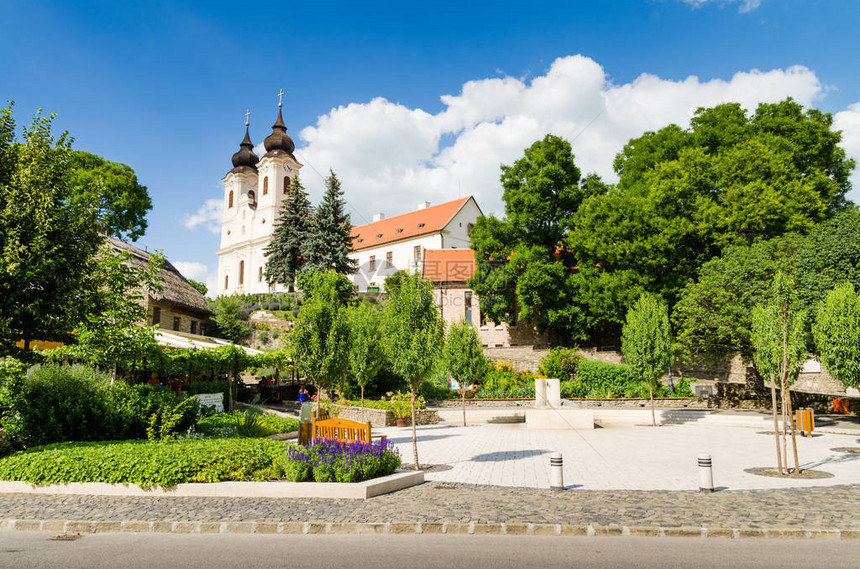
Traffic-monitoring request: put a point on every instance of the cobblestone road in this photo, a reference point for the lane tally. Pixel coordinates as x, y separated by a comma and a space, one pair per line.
836, 507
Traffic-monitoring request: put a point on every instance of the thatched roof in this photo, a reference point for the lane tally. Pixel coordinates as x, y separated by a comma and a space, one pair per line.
177, 289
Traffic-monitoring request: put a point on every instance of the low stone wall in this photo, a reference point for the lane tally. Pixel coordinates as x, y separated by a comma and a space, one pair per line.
384, 417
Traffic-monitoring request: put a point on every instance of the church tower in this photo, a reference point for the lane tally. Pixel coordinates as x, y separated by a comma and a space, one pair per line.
253, 193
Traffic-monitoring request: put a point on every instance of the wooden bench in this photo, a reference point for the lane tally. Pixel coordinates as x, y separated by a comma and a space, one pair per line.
343, 430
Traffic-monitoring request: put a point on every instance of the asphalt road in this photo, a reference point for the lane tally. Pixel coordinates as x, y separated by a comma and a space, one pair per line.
21, 550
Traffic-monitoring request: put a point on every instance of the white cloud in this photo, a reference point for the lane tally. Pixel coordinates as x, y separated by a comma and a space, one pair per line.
745, 5
390, 156
198, 272
848, 121
209, 214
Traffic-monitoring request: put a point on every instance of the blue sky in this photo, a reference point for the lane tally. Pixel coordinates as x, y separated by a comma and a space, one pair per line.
406, 101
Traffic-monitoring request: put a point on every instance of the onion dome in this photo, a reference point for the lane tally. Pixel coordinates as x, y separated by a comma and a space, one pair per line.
279, 140
246, 157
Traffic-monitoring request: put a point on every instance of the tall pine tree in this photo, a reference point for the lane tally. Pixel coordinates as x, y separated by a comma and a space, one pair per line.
285, 254
330, 242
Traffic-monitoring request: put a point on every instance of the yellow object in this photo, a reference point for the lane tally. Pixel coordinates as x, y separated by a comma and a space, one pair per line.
805, 421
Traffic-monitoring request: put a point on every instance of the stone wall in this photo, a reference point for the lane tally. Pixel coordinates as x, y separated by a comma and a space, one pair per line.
384, 417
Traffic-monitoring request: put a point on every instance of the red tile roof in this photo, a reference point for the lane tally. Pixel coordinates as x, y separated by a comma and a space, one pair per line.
448, 265
420, 222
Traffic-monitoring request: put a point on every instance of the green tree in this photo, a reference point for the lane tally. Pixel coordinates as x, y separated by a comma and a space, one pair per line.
829, 256
646, 342
779, 352
330, 241
521, 261
837, 333
201, 287
285, 253
313, 281
366, 356
464, 357
320, 340
111, 334
413, 335
121, 202
683, 196
48, 241
714, 314
230, 318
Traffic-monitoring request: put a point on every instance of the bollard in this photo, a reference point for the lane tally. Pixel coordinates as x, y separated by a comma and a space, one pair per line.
706, 475
556, 477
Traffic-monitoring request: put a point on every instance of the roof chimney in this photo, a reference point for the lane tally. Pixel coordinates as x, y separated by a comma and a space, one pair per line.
378, 216
423, 205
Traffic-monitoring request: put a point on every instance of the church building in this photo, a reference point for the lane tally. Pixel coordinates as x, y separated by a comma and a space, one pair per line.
253, 193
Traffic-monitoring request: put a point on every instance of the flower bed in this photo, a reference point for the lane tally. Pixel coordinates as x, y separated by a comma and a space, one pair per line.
333, 461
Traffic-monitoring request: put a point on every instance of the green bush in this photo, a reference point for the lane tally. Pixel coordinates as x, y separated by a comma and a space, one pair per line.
147, 463
560, 363
333, 461
195, 387
53, 404
436, 388
596, 379
244, 424
396, 402
502, 382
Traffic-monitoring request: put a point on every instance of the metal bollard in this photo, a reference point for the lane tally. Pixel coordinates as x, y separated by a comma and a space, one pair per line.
706, 475
556, 477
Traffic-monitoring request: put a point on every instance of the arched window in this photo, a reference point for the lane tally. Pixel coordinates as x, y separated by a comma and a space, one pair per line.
226, 282
260, 275
286, 183
231, 199
252, 197
241, 272
265, 185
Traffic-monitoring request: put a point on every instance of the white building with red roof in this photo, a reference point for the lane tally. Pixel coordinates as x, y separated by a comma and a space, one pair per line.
388, 245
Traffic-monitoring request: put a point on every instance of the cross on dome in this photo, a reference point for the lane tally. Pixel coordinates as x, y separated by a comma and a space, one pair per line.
280, 94
247, 114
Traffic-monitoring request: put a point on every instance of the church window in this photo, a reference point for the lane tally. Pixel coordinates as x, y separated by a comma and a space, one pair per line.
230, 201
156, 315
372, 264
260, 275
265, 185
286, 183
388, 261
252, 197
241, 272
226, 282
243, 230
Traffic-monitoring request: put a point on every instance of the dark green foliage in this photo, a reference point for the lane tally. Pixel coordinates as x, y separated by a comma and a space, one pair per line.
560, 363
285, 255
330, 284
166, 423
714, 314
829, 256
600, 379
330, 240
201, 287
244, 424
162, 463
837, 333
55, 404
121, 202
521, 261
230, 318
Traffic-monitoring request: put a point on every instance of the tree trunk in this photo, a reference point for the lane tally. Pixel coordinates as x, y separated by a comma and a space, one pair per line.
463, 400
414, 433
793, 434
113, 373
775, 422
651, 396
26, 344
784, 430
361, 388
230, 381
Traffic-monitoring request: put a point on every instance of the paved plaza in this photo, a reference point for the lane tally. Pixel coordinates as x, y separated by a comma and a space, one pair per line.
626, 453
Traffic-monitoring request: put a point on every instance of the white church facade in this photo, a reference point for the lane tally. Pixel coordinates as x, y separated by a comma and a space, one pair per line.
253, 193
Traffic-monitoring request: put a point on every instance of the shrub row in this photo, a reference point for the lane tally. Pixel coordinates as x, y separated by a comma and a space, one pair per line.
147, 463
244, 424
333, 461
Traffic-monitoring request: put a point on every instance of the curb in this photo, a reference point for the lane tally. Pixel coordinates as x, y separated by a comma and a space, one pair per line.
416, 528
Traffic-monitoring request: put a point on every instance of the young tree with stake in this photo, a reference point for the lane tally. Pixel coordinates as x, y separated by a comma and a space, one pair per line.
464, 357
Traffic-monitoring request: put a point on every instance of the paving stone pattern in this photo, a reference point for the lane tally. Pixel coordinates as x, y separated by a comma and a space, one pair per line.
835, 508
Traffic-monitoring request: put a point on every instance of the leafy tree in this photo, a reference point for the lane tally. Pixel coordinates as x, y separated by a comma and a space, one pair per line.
829, 256
230, 318
285, 253
320, 340
521, 261
683, 196
121, 202
110, 332
837, 334
714, 313
201, 287
395, 280
47, 240
413, 334
779, 352
329, 243
646, 342
327, 282
366, 356
464, 357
